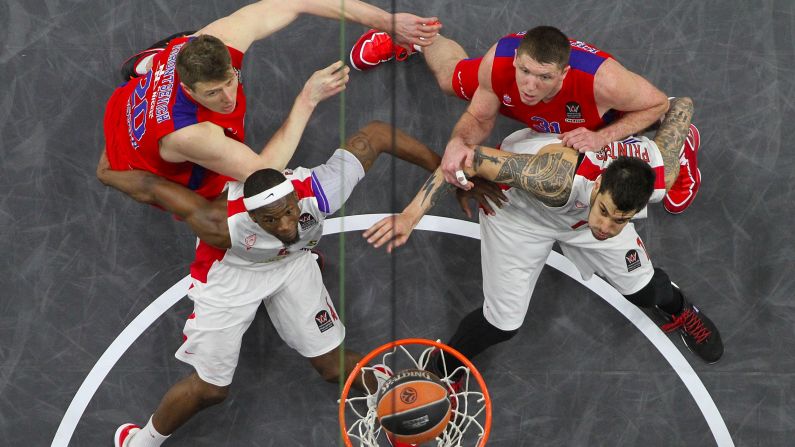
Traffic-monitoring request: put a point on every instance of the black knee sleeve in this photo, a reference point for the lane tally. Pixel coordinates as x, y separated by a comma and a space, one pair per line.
658, 292
473, 336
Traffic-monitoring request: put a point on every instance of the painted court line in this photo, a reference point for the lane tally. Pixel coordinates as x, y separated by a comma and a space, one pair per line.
429, 223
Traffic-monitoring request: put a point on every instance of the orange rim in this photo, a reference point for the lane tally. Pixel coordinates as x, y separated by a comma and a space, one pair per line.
414, 341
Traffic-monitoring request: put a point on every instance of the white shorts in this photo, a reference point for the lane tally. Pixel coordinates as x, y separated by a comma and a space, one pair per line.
297, 302
515, 249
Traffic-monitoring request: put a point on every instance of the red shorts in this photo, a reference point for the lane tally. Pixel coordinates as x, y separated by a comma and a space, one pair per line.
465, 78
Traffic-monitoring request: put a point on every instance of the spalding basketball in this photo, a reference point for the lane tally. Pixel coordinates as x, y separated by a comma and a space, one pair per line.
413, 406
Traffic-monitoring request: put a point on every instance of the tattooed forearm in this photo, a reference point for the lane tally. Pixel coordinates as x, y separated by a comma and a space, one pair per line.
481, 158
433, 189
548, 176
671, 135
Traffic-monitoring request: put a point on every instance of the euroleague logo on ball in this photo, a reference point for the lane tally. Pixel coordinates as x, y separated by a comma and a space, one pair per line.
408, 395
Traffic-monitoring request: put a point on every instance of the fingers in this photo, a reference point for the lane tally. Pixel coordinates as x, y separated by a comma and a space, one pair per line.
427, 30
381, 232
583, 140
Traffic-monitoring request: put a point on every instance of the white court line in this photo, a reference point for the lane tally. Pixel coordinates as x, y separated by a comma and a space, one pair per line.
429, 223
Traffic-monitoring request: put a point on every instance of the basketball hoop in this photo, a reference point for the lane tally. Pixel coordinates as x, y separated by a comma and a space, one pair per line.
471, 421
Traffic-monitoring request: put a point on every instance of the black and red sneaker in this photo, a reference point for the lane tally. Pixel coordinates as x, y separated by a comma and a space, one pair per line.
699, 333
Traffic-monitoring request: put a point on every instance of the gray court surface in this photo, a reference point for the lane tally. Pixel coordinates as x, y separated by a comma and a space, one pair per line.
80, 261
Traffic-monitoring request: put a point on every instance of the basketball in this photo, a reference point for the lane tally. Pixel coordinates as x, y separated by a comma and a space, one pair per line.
413, 406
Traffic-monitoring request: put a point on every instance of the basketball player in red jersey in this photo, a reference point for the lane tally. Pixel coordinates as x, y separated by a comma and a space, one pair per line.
184, 118
547, 81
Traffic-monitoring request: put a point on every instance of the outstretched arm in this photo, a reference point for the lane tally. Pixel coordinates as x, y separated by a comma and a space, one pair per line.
671, 136
474, 125
395, 230
261, 19
206, 144
206, 219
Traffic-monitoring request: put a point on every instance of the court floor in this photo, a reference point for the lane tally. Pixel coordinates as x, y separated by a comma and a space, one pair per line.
88, 272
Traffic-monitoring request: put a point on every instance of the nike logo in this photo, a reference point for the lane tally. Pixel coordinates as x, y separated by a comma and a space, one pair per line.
508, 105
269, 195
188, 352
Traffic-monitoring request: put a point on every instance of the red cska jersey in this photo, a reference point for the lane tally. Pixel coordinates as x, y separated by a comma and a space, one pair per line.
145, 109
574, 106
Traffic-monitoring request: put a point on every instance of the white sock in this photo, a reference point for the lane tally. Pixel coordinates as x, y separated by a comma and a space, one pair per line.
147, 437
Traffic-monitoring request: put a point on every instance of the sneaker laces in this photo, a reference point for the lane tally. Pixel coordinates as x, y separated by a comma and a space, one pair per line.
691, 323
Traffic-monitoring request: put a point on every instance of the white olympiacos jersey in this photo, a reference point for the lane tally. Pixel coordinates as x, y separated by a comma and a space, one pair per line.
574, 213
254, 248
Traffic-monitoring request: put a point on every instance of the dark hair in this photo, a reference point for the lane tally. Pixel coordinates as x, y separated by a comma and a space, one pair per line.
546, 45
262, 180
203, 59
630, 183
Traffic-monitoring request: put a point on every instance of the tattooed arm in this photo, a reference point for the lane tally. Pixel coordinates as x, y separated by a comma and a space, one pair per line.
671, 136
547, 175
395, 230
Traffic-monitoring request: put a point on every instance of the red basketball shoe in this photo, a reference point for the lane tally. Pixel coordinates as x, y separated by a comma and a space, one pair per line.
684, 189
374, 48
124, 434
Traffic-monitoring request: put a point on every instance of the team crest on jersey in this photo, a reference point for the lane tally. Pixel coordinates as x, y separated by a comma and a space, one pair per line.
633, 260
506, 100
249, 241
578, 204
324, 321
306, 221
573, 113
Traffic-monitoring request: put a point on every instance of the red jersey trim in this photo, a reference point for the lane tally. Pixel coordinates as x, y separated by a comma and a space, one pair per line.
303, 188
235, 206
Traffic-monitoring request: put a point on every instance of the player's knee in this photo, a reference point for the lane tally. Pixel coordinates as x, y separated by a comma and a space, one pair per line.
656, 292
207, 393
491, 333
327, 365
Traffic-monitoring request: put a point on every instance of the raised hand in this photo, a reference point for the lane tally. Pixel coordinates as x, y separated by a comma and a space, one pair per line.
392, 230
325, 83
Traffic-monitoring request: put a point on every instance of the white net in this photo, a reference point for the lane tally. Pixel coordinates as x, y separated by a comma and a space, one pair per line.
466, 427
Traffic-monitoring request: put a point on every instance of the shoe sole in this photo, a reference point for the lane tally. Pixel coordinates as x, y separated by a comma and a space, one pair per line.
118, 433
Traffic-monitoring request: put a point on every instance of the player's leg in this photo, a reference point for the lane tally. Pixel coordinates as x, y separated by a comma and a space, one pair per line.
212, 339
509, 277
625, 264
180, 403
378, 137
442, 58
328, 366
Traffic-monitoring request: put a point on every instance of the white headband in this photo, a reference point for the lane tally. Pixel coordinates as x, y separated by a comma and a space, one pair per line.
268, 196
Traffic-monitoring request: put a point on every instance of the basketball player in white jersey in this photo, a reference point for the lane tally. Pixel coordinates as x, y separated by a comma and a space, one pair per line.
254, 248
583, 201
